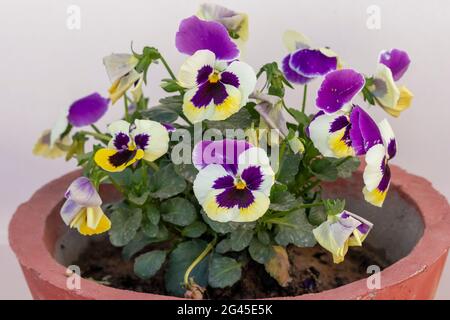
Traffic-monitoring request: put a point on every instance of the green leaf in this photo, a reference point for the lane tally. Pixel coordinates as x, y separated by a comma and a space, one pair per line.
259, 251
228, 227
178, 211
239, 120
187, 171
166, 183
124, 224
281, 199
294, 228
160, 114
151, 230
300, 117
194, 230
347, 167
223, 271
334, 206
147, 264
140, 241
324, 169
240, 239
152, 214
170, 85
289, 166
263, 237
179, 261
317, 215
138, 200
223, 246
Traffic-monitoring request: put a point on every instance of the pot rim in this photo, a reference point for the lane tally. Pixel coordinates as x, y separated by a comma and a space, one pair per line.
33, 253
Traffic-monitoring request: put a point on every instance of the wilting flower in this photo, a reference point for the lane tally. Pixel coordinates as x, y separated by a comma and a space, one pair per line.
87, 110
341, 231
393, 99
195, 34
338, 89
234, 180
236, 23
304, 63
122, 74
377, 174
145, 139
82, 208
216, 90
344, 134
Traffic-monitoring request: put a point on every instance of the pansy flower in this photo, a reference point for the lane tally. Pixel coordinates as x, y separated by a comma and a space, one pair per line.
216, 90
304, 62
236, 23
377, 174
144, 139
122, 74
87, 110
195, 34
392, 98
341, 231
344, 134
338, 89
82, 208
234, 180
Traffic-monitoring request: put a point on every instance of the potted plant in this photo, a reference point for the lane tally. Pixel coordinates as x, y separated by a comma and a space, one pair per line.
212, 193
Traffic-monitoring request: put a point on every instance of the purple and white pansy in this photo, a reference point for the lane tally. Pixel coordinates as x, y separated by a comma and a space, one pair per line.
341, 231
377, 174
304, 63
392, 65
216, 89
234, 180
82, 209
144, 139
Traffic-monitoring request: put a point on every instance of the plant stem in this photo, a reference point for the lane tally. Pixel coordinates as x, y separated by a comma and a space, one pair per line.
305, 91
125, 104
93, 126
202, 255
99, 136
169, 70
152, 165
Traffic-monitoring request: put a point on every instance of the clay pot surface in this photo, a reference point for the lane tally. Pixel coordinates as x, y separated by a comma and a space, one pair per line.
413, 227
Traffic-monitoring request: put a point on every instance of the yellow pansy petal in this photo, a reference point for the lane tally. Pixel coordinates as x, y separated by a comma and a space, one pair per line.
229, 106
256, 210
104, 159
193, 113
338, 145
120, 86
375, 197
103, 225
217, 213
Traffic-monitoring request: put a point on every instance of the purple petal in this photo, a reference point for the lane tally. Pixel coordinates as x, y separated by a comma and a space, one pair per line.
69, 211
364, 132
386, 179
87, 110
121, 141
232, 197
195, 34
338, 88
223, 152
224, 182
292, 75
253, 177
142, 140
209, 91
396, 60
169, 127
83, 192
312, 63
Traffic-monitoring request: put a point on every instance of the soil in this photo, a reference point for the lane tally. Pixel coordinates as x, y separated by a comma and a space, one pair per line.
312, 270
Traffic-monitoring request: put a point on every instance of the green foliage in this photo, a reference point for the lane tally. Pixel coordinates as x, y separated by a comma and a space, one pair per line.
125, 221
317, 215
223, 271
187, 171
239, 120
178, 211
275, 80
259, 251
166, 183
240, 239
140, 241
293, 228
281, 199
289, 167
147, 264
194, 230
324, 169
334, 207
179, 261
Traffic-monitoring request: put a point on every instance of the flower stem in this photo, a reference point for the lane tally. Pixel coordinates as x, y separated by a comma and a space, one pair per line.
169, 70
99, 136
93, 126
305, 91
202, 255
152, 165
125, 104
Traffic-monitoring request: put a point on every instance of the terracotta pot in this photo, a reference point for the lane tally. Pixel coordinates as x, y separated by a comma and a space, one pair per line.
413, 228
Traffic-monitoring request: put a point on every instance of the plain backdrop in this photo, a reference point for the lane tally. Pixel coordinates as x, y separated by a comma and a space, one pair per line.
44, 66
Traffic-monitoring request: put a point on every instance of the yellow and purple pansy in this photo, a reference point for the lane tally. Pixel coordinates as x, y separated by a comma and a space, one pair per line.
391, 67
341, 231
121, 71
305, 63
216, 89
82, 209
234, 180
377, 174
144, 139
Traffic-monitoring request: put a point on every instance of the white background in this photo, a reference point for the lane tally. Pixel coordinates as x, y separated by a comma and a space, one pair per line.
44, 66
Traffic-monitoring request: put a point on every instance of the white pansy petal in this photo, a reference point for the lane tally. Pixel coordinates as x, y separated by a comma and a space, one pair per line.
217, 213
119, 129
205, 179
319, 132
60, 126
294, 40
69, 211
93, 217
246, 76
386, 90
83, 192
187, 76
373, 171
152, 137
255, 156
388, 138
256, 210
193, 113
118, 65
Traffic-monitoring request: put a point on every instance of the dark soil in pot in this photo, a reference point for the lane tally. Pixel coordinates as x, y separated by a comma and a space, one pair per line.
312, 271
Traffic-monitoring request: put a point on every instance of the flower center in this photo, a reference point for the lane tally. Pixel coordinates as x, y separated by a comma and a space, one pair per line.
214, 77
240, 184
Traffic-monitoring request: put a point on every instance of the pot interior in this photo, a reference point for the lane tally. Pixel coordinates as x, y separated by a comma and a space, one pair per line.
398, 226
